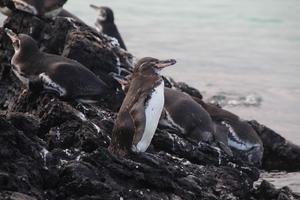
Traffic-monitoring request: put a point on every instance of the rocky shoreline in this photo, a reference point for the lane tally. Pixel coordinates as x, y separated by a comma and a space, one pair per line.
52, 149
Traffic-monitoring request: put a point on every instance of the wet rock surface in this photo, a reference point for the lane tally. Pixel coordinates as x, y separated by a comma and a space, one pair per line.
279, 153
268, 191
50, 149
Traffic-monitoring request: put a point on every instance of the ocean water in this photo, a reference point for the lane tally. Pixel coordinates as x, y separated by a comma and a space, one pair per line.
243, 54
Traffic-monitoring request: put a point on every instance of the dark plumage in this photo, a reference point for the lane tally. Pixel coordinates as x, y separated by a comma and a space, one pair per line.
235, 132
131, 123
65, 77
183, 112
35, 7
189, 115
105, 24
200, 121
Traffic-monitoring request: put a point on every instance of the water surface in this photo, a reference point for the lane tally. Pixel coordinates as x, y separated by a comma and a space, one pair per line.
239, 49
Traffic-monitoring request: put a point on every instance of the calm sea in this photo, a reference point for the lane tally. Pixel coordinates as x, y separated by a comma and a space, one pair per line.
246, 52
243, 54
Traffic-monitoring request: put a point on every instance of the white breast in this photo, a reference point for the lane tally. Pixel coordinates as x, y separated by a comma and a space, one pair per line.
152, 112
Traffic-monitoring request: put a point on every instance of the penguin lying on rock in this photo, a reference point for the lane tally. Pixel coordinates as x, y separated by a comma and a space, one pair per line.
45, 8
236, 133
65, 77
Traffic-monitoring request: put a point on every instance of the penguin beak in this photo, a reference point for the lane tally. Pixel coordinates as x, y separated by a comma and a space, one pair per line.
95, 7
13, 36
100, 11
165, 63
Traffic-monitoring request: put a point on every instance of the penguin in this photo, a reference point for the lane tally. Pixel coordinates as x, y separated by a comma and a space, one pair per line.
232, 134
183, 112
188, 115
105, 24
141, 109
56, 74
236, 133
46, 8
34, 7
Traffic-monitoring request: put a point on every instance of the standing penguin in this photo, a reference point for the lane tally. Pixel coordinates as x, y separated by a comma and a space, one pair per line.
105, 24
182, 111
65, 77
141, 109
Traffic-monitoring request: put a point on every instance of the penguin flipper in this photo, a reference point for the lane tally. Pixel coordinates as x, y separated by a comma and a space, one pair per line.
138, 117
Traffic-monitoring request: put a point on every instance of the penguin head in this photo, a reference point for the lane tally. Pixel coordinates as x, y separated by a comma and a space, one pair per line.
150, 65
22, 42
105, 14
29, 6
